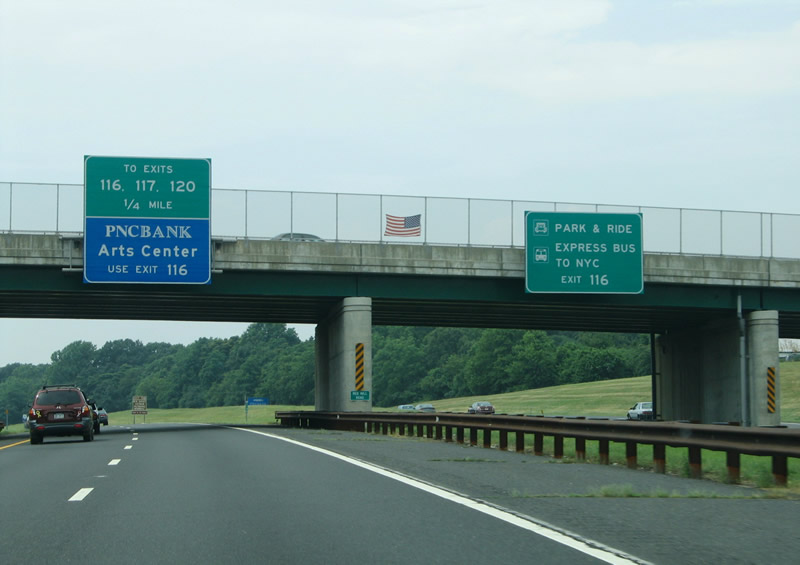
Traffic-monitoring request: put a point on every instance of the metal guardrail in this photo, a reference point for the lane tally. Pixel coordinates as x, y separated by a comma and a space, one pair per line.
778, 443
474, 222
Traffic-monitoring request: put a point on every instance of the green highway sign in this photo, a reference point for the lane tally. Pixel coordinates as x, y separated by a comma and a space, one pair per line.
580, 252
136, 187
359, 395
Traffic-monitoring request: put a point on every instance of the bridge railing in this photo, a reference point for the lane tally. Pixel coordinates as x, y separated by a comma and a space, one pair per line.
777, 443
257, 214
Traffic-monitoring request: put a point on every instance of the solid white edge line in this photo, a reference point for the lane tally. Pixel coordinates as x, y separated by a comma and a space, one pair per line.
574, 541
80, 495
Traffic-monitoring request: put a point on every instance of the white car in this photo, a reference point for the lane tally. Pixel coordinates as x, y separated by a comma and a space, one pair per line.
641, 411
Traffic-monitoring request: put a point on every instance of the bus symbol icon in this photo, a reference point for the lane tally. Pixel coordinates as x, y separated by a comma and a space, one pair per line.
540, 255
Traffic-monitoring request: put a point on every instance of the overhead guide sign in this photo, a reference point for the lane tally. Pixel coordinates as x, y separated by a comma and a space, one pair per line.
147, 220
574, 252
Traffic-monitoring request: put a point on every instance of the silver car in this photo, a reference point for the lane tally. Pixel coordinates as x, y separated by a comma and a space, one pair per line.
641, 411
294, 236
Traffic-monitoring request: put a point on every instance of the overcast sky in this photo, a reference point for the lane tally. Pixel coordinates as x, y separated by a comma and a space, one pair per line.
677, 103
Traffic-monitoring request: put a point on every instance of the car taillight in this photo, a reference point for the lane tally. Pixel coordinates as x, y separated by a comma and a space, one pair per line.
84, 410
31, 414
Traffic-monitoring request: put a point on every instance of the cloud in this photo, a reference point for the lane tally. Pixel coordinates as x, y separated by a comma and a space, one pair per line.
534, 49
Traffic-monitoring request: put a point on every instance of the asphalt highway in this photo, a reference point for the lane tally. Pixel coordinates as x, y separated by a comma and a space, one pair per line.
156, 493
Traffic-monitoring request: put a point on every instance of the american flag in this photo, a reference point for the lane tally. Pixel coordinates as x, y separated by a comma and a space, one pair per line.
403, 226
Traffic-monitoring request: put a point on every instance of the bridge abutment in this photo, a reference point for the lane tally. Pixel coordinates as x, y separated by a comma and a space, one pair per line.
344, 358
701, 373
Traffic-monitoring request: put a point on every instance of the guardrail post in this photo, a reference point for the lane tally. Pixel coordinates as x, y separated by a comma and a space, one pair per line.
385, 428
580, 449
402, 429
419, 430
603, 451
448, 434
780, 470
538, 444
503, 440
630, 454
460, 434
659, 458
520, 442
695, 462
487, 437
429, 431
558, 446
438, 431
734, 466
473, 436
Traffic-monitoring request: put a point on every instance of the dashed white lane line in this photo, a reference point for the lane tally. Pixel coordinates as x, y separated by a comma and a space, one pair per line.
128, 447
80, 495
595, 549
114, 461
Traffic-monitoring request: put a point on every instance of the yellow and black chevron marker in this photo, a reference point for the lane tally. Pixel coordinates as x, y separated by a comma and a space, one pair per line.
771, 390
359, 366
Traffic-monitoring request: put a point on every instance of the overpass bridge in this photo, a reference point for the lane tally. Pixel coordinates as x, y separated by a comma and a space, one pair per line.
715, 318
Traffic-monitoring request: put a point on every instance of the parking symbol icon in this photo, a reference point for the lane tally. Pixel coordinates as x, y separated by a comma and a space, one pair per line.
541, 227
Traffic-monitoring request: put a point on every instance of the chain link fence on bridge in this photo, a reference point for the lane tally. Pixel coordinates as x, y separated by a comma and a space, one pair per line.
342, 217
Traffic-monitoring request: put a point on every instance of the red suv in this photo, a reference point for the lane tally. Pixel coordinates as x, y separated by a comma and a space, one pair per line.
60, 410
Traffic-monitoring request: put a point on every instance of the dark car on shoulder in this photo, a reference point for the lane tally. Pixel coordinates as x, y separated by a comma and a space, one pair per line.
61, 410
481, 407
97, 416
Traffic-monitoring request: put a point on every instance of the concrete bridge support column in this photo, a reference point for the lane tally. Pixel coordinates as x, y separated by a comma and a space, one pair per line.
701, 372
344, 358
762, 359
322, 394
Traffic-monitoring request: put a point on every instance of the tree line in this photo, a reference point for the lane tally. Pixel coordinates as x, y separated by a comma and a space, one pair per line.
410, 364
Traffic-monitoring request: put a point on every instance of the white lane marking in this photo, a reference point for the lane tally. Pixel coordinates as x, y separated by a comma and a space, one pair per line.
80, 495
134, 439
114, 461
128, 447
584, 545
